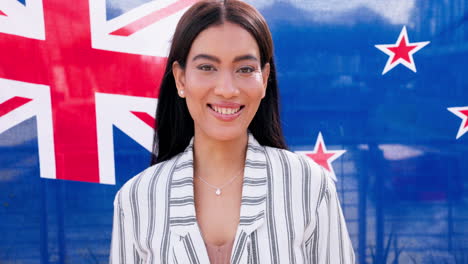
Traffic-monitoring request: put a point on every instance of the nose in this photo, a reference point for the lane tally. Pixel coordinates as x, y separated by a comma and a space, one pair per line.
225, 86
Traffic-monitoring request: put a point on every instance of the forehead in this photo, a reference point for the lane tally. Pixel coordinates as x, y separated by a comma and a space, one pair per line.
224, 41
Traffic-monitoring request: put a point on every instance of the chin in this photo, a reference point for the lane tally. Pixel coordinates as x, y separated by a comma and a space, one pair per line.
226, 134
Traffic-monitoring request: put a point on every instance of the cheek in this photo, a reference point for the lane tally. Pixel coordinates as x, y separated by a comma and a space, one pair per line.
193, 87
253, 86
197, 85
196, 90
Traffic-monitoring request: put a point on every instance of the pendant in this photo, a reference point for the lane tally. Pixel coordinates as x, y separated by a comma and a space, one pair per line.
218, 192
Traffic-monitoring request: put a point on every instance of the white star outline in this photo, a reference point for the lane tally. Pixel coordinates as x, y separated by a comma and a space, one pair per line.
336, 154
410, 65
457, 111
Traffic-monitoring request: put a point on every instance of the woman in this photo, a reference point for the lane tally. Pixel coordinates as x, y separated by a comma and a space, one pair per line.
223, 188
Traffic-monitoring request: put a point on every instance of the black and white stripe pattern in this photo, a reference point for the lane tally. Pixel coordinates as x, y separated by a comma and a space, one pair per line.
290, 213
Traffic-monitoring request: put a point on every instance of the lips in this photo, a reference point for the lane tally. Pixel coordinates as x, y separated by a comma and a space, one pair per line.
226, 111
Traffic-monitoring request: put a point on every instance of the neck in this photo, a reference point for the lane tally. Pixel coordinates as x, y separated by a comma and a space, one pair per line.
218, 161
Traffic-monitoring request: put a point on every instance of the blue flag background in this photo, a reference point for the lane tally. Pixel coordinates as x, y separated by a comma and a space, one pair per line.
402, 180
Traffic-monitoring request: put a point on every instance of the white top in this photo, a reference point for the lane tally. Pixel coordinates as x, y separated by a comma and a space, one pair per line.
290, 213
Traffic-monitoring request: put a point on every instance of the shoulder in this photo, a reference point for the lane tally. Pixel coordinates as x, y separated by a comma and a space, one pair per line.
302, 170
298, 163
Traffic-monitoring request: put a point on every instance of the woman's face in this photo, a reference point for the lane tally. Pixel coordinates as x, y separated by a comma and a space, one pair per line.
223, 82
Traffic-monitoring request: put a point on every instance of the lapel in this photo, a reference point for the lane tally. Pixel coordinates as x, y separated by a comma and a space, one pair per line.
253, 205
182, 218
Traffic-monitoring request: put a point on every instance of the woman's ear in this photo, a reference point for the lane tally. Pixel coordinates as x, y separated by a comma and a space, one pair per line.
265, 76
179, 77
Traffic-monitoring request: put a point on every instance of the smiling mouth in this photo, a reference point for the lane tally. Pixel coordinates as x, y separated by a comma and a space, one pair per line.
225, 110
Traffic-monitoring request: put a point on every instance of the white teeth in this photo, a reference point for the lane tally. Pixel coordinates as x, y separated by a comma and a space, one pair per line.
225, 111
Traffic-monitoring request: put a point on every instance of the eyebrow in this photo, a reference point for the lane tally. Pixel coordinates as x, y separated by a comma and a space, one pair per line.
245, 57
207, 57
217, 60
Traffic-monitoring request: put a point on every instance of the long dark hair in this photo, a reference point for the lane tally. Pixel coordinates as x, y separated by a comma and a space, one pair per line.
175, 126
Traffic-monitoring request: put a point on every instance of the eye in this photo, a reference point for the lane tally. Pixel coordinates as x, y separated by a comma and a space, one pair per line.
206, 67
246, 69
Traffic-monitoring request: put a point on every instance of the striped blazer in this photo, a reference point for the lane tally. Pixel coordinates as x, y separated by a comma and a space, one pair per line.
289, 213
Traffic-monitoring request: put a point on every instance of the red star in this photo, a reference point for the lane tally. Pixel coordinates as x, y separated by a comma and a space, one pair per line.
461, 112
465, 113
322, 156
401, 52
